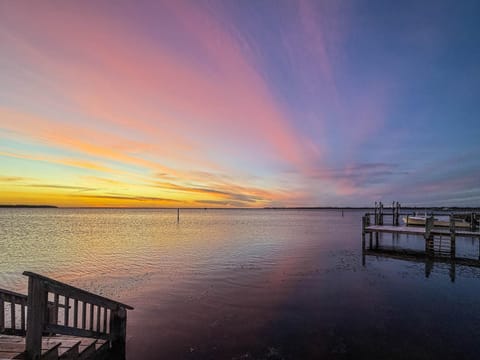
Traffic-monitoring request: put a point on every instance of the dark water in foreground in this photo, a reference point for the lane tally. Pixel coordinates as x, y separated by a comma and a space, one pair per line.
251, 284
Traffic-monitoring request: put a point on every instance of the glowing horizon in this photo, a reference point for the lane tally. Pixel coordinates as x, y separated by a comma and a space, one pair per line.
238, 104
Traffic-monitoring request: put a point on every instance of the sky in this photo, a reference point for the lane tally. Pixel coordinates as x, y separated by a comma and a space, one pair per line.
239, 103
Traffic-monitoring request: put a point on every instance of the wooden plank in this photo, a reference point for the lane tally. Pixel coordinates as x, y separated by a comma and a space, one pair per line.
88, 352
51, 354
67, 311
12, 347
69, 350
102, 348
11, 294
84, 315
2, 315
22, 316
91, 317
54, 319
418, 230
98, 318
76, 293
60, 329
105, 310
12, 315
75, 313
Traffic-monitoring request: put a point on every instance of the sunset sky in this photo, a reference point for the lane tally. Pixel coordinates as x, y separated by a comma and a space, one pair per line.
239, 103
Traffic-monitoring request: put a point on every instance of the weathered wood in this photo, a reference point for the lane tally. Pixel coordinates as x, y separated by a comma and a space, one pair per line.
2, 315
98, 318
411, 230
66, 330
381, 214
75, 313
22, 316
102, 349
8, 295
12, 315
40, 322
91, 317
88, 352
118, 332
428, 227
67, 311
84, 315
37, 307
51, 354
68, 351
453, 248
364, 224
76, 293
105, 311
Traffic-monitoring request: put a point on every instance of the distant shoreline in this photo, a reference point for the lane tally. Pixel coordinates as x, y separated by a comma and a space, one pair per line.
29, 206
417, 208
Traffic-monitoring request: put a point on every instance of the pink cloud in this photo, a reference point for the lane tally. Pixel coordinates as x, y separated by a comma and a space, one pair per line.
112, 74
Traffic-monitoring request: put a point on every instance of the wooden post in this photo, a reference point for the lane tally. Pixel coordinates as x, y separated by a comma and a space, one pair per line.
428, 236
452, 237
397, 218
178, 215
36, 316
393, 213
376, 219
2, 316
364, 221
118, 329
381, 214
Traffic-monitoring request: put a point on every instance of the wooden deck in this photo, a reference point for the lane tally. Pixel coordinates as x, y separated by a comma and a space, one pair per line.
55, 347
81, 325
415, 230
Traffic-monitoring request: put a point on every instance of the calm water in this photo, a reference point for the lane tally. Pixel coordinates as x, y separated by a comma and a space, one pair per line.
251, 284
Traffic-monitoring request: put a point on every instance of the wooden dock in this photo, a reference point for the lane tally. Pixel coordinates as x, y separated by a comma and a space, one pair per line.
59, 321
440, 242
428, 233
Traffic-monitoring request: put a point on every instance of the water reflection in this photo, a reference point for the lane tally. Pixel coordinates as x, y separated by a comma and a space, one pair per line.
398, 247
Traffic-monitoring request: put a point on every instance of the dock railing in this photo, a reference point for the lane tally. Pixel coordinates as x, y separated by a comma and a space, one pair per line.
14, 304
57, 308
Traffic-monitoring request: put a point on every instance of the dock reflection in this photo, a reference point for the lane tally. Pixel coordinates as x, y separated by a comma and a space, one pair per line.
396, 250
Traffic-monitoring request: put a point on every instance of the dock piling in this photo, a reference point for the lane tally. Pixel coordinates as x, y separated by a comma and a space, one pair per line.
452, 237
429, 246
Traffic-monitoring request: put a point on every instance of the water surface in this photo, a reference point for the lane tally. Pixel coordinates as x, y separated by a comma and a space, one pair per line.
251, 284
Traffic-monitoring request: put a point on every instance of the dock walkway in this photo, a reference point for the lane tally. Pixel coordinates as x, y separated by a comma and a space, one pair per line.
55, 347
59, 321
414, 230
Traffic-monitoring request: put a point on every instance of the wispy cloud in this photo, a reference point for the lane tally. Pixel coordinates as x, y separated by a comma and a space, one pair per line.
128, 197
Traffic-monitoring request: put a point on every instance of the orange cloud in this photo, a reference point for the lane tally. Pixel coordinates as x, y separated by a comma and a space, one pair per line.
112, 77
